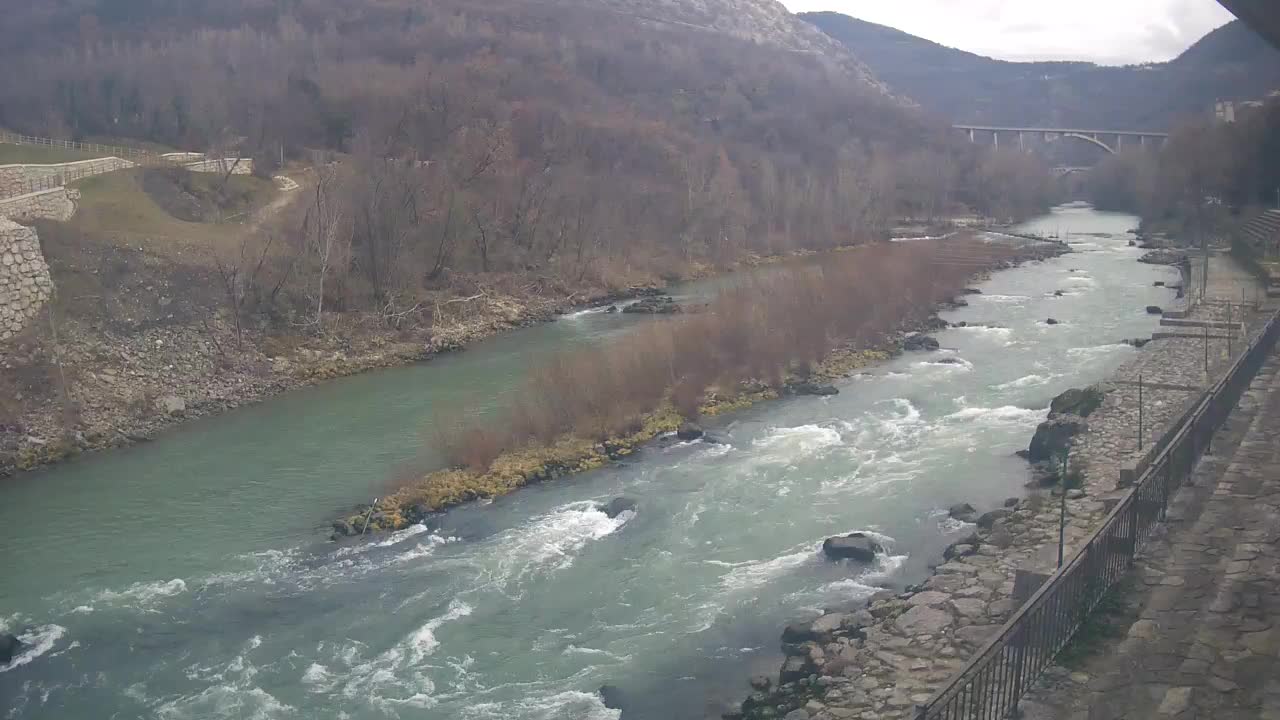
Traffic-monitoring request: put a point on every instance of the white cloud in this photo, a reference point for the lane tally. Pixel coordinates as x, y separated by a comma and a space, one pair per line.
1104, 31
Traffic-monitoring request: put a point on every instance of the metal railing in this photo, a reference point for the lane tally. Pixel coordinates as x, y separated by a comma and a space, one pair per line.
994, 680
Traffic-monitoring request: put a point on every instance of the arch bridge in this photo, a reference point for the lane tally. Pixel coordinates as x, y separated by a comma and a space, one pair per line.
1094, 137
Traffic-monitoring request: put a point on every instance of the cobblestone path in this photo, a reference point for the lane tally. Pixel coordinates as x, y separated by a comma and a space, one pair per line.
1206, 639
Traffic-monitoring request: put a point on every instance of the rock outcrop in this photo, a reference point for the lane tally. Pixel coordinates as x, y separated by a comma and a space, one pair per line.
10, 646
1054, 437
855, 546
654, 305
920, 343
1077, 401
617, 506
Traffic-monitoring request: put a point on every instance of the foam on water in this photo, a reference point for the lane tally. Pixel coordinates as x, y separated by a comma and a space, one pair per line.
395, 678
1004, 299
142, 595
1003, 416
553, 541
1000, 332
567, 705
401, 535
1025, 381
422, 642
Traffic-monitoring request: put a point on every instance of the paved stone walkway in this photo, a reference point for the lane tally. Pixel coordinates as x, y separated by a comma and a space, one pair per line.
1206, 641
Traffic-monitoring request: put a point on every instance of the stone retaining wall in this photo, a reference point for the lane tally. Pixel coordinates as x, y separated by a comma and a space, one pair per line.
55, 204
20, 179
243, 166
25, 285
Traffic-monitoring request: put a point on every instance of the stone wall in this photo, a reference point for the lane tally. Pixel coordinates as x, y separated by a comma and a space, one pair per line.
25, 285
55, 204
243, 166
22, 179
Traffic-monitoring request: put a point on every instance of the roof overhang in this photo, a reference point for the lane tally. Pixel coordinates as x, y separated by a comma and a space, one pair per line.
1263, 16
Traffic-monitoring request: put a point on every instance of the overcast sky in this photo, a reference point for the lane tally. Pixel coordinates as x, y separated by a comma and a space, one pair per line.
1113, 32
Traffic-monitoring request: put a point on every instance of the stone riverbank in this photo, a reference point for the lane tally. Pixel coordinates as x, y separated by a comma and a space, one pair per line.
881, 661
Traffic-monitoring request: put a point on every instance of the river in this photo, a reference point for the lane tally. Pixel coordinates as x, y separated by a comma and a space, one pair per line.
191, 577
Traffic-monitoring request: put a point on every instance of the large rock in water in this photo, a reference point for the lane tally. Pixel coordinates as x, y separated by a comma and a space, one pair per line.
964, 512
617, 506
689, 431
611, 696
1054, 437
856, 546
654, 305
10, 646
1077, 402
920, 343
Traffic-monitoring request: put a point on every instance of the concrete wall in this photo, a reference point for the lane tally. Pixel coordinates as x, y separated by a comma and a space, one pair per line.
25, 285
244, 166
21, 179
56, 204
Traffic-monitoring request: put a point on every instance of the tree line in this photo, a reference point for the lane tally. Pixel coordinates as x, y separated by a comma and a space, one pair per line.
1205, 173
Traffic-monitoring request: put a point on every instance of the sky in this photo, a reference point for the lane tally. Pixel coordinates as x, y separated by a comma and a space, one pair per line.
1111, 32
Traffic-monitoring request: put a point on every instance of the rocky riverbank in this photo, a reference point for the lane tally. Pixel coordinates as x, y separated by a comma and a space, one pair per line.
882, 660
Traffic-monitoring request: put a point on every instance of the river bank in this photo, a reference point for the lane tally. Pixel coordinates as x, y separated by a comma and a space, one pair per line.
572, 453
884, 659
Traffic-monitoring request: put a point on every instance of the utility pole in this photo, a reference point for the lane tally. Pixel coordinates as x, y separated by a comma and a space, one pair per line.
1062, 510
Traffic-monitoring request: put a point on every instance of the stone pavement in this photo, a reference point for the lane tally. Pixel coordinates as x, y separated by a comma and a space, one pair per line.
1206, 641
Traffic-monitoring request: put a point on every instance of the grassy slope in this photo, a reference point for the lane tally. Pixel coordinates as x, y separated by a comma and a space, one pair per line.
115, 206
34, 154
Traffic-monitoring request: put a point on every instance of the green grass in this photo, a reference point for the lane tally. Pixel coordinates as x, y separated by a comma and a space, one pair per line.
40, 155
116, 204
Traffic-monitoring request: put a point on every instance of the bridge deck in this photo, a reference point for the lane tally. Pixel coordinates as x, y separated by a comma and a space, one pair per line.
1126, 133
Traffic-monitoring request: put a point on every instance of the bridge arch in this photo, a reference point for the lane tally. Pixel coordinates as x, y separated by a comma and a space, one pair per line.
1090, 139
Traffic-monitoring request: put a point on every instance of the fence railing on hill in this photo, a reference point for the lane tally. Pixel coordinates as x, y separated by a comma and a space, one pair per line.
138, 155
994, 680
70, 174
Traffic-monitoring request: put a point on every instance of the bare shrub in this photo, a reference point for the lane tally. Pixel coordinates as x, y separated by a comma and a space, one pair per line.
765, 328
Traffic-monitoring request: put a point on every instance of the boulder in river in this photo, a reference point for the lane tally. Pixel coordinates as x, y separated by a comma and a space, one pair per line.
1154, 310
689, 431
611, 696
10, 646
813, 388
1051, 321
1054, 437
654, 305
611, 309
617, 506
920, 343
964, 512
857, 546
971, 291
1077, 401
990, 517
1058, 293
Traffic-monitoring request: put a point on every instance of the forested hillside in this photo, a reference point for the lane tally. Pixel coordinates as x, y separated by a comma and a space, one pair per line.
566, 137
1230, 63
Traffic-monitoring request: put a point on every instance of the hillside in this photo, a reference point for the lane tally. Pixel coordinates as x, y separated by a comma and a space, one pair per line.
1230, 63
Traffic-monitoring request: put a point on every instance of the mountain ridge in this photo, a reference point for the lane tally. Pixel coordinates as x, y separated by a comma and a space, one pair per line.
1228, 63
